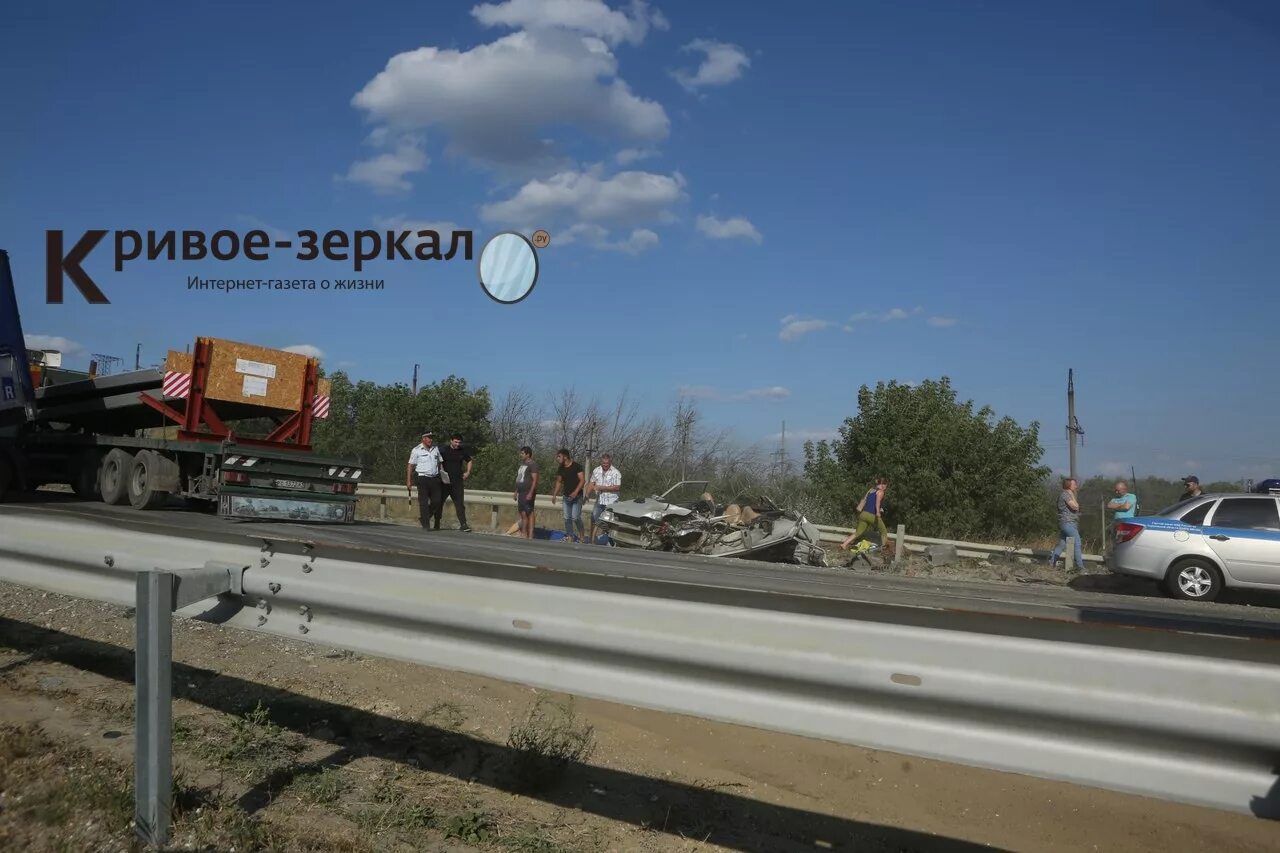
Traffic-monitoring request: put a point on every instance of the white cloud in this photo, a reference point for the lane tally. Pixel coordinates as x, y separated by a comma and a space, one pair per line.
728, 229
888, 316
1112, 469
795, 327
941, 322
627, 198
627, 156
590, 17
385, 173
309, 350
413, 226
721, 64
54, 342
496, 102
256, 223
597, 237
706, 392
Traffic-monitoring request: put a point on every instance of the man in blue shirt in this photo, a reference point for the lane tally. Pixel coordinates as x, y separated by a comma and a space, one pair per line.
1124, 503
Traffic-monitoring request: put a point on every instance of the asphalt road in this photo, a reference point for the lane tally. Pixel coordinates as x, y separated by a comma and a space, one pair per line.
767, 585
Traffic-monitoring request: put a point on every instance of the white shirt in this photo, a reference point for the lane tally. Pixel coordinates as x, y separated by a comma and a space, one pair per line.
425, 462
601, 477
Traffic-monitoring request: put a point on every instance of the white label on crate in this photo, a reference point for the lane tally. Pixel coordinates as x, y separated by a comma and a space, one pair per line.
255, 368
255, 386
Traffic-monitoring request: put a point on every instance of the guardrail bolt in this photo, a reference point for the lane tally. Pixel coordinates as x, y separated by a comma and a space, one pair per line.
305, 612
302, 629
264, 562
306, 568
262, 620
109, 560
274, 587
263, 604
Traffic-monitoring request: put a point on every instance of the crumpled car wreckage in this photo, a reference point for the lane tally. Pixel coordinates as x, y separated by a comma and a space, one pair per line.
686, 519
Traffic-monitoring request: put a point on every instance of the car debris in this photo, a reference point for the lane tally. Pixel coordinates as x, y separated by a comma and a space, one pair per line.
686, 519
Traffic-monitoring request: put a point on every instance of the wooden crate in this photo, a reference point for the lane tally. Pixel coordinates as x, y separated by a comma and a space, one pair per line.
245, 373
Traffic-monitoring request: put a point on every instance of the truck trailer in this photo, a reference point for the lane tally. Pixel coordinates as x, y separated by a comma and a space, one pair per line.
146, 436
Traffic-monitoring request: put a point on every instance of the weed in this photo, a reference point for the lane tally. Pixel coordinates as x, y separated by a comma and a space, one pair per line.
472, 827
254, 740
324, 787
18, 742
448, 715
392, 809
531, 841
546, 741
183, 730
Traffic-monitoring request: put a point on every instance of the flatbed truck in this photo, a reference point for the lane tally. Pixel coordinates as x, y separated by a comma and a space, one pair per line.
148, 436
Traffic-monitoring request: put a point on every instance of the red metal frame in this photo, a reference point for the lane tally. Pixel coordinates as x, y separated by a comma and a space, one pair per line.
199, 411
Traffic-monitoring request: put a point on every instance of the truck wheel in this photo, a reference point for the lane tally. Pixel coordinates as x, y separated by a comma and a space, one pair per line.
113, 479
84, 480
142, 495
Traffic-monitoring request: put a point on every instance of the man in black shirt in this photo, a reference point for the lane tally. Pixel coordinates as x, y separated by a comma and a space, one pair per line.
571, 479
454, 457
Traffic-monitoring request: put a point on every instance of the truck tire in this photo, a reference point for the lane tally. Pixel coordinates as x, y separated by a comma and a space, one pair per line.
142, 476
113, 478
84, 479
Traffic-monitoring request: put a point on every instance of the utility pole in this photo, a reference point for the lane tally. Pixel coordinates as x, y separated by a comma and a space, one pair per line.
1073, 425
137, 358
415, 380
780, 456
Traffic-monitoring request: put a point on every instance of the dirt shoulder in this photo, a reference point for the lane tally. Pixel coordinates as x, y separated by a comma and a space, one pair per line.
282, 745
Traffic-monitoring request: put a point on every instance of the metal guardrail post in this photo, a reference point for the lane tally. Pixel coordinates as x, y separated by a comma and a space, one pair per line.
899, 542
159, 594
153, 769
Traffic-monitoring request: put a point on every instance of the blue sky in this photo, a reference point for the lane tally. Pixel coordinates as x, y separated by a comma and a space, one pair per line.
763, 206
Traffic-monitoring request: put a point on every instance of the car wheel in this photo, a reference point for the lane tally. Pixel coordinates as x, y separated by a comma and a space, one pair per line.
1194, 579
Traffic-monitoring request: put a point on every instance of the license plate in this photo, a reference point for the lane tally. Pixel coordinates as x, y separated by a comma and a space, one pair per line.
290, 484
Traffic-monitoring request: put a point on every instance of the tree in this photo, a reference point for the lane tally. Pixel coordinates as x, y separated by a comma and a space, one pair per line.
953, 472
379, 424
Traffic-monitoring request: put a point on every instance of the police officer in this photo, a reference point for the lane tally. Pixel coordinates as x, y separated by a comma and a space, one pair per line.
424, 465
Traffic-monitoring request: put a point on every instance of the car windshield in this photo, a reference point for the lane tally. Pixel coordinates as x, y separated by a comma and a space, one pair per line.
686, 492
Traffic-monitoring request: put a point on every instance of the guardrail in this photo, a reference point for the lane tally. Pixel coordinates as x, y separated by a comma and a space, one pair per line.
1190, 718
830, 534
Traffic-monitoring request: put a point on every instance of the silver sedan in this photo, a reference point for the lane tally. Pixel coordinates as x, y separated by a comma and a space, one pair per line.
1202, 545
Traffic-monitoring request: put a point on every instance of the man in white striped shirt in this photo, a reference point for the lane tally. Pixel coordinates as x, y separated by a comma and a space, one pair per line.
606, 483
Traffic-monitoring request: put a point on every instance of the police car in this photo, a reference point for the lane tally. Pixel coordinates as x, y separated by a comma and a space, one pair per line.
1202, 545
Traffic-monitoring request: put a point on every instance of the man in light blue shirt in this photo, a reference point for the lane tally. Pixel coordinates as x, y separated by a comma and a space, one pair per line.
1124, 503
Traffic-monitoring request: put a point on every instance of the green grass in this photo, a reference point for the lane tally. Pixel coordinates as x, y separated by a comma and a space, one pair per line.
546, 742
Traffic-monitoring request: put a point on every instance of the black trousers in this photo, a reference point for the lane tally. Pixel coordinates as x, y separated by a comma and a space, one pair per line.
453, 491
430, 500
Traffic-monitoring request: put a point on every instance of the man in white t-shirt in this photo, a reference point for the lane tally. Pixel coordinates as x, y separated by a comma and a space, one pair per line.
424, 467
606, 483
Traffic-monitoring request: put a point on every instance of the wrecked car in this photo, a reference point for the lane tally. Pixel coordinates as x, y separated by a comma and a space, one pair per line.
686, 519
